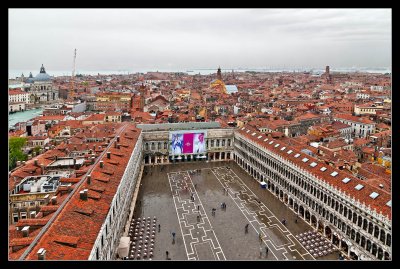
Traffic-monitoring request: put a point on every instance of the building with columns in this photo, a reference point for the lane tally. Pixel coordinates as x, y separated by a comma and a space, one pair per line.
354, 216
42, 89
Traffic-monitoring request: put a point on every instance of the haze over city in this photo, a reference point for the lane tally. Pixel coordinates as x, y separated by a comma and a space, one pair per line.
139, 39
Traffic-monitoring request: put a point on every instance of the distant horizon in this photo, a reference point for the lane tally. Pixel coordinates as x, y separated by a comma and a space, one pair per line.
13, 73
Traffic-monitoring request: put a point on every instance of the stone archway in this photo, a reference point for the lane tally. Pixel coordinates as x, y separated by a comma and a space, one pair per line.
307, 216
301, 211
313, 221
285, 198
335, 239
328, 232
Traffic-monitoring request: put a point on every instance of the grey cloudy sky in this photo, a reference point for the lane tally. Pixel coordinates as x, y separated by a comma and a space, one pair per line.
139, 39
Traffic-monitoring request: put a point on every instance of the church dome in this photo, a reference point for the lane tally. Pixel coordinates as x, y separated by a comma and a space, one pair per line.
42, 76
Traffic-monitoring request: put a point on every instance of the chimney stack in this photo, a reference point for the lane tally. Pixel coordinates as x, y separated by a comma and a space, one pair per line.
115, 144
25, 231
90, 151
118, 137
93, 158
89, 178
42, 169
108, 155
54, 200
74, 161
83, 195
101, 164
94, 147
18, 163
35, 162
46, 199
41, 254
33, 215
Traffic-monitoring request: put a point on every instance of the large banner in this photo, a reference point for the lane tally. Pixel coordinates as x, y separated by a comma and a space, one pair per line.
187, 142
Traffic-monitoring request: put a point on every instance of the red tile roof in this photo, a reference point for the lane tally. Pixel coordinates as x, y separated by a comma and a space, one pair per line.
378, 204
83, 219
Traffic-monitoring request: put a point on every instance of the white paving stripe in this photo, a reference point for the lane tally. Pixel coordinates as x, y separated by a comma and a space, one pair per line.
207, 235
243, 208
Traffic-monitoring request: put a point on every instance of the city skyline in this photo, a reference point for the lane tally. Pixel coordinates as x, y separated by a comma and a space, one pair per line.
132, 39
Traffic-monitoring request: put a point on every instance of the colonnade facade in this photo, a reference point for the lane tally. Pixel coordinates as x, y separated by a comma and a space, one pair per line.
358, 232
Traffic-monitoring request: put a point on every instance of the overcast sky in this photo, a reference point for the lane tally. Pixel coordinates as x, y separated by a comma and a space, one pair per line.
140, 39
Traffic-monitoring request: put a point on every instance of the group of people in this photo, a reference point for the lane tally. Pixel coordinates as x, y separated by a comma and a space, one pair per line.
223, 206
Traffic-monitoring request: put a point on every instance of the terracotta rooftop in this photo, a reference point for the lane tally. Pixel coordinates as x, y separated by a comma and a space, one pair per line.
378, 204
79, 222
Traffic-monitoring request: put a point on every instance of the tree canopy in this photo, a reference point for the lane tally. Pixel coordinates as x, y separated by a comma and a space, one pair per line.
15, 145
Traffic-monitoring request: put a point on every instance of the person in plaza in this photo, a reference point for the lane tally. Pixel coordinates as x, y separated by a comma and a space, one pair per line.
173, 235
261, 252
246, 228
260, 237
266, 250
159, 227
166, 254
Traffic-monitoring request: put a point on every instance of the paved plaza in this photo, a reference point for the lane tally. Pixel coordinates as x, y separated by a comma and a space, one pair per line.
186, 198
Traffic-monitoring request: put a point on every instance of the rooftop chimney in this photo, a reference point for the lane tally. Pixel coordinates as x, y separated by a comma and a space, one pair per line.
75, 148
41, 254
118, 137
42, 169
35, 162
54, 200
32, 215
115, 144
101, 164
25, 231
46, 199
83, 195
381, 186
108, 155
89, 178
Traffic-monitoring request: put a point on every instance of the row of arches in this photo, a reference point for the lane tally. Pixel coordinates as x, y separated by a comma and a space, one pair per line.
279, 179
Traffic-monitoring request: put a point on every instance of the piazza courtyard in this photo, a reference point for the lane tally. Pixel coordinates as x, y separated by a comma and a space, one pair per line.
207, 205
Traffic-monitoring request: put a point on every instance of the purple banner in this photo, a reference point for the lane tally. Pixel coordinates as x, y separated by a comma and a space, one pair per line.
188, 143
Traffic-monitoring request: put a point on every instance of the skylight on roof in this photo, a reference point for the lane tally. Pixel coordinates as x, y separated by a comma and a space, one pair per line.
253, 134
389, 204
359, 187
283, 148
266, 139
243, 128
313, 164
259, 136
248, 131
374, 195
271, 142
290, 151
297, 155
277, 145
346, 179
323, 169
305, 160
334, 174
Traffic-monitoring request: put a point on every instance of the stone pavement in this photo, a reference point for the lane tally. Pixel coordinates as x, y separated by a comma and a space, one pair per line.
166, 191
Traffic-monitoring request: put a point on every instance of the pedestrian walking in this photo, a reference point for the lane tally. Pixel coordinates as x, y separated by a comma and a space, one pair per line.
260, 237
173, 235
159, 227
198, 208
166, 254
246, 228
198, 218
266, 250
261, 252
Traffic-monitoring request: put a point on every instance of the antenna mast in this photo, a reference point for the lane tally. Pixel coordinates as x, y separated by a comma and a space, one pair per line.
72, 92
